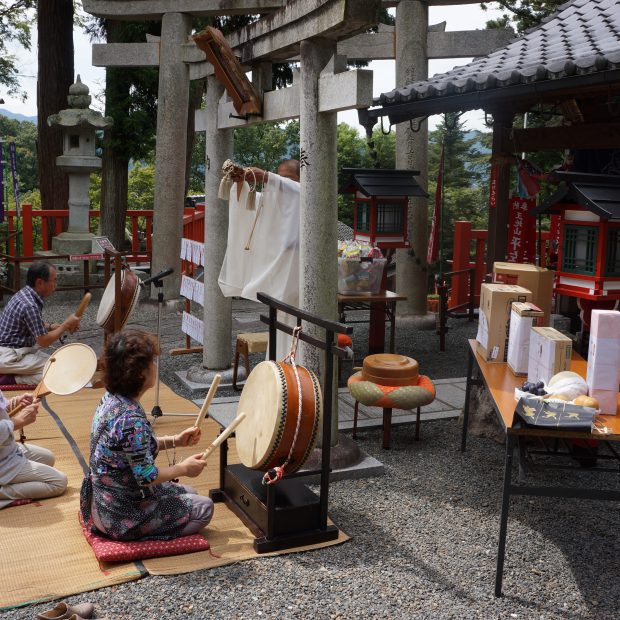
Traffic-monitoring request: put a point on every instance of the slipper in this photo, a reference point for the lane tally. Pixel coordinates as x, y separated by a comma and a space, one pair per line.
62, 611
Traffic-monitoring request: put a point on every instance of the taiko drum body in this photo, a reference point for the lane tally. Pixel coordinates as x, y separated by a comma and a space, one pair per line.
270, 399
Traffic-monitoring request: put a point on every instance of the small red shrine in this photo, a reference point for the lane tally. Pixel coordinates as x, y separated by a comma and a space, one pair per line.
589, 249
381, 197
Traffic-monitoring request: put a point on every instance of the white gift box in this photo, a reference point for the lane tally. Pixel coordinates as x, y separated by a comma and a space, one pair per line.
523, 316
603, 375
550, 353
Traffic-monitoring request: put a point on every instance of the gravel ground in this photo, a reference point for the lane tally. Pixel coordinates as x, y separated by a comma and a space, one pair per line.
424, 536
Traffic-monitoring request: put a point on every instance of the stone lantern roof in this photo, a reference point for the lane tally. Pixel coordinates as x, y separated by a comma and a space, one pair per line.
79, 114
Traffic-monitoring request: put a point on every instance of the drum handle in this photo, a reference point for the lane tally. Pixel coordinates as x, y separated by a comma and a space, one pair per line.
224, 435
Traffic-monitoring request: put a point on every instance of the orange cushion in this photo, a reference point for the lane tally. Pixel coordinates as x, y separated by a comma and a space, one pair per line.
394, 397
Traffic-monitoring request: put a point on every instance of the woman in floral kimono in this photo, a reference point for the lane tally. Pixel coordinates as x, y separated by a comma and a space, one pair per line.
125, 495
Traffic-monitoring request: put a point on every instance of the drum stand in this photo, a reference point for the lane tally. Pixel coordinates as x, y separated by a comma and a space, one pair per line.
287, 514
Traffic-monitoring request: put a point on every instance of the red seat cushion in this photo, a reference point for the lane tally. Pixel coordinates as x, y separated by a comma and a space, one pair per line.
107, 550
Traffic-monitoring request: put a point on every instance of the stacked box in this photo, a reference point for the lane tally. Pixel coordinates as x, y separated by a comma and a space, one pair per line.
550, 353
538, 280
523, 317
603, 374
494, 318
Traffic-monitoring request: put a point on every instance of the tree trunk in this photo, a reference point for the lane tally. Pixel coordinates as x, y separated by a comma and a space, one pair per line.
55, 75
114, 170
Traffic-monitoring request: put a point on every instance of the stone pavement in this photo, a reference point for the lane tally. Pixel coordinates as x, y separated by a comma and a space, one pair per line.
447, 404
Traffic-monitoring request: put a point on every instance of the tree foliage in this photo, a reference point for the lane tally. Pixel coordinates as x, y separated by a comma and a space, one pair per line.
524, 14
15, 21
24, 134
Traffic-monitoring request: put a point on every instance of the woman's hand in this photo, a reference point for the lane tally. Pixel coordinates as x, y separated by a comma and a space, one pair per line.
26, 416
193, 465
189, 437
25, 399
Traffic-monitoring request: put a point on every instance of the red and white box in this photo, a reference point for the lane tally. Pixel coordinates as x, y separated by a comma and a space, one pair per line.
603, 376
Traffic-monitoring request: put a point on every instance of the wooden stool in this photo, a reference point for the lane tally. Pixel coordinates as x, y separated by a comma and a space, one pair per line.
255, 342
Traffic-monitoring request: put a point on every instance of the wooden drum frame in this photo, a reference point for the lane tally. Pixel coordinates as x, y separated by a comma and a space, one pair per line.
270, 400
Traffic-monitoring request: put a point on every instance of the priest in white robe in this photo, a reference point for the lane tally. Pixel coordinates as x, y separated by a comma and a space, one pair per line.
262, 254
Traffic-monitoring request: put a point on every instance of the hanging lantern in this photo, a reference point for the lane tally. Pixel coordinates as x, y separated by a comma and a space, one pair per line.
380, 204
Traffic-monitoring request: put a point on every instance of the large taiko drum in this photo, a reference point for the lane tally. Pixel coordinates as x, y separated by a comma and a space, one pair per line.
130, 291
270, 400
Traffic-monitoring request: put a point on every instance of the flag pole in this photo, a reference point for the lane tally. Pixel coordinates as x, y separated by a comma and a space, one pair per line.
441, 165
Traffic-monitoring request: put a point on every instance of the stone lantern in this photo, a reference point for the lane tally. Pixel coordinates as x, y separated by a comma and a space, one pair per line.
79, 124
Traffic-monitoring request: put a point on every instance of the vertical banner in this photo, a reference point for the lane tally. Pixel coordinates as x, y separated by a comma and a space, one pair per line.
1, 182
493, 187
14, 174
434, 241
521, 230
553, 247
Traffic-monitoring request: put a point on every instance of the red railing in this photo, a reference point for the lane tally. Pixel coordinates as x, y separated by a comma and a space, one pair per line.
55, 221
470, 251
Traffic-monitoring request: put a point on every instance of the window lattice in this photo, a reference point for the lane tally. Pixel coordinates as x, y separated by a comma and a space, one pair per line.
579, 252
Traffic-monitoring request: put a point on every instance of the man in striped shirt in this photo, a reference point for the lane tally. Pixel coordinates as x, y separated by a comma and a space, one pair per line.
23, 334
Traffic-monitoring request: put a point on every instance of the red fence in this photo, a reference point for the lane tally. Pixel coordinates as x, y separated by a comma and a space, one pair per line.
54, 221
470, 251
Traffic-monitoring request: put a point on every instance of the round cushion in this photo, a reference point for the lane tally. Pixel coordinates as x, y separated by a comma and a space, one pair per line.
395, 397
390, 369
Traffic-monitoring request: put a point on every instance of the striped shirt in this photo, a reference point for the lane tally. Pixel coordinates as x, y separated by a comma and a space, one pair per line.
21, 322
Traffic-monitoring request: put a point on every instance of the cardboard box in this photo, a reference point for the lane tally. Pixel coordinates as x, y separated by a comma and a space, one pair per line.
494, 319
535, 279
523, 317
603, 375
550, 353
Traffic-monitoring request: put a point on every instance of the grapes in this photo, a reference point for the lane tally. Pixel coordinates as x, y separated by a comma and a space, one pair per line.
536, 389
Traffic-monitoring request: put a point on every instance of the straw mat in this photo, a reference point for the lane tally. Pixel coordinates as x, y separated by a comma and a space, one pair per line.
45, 554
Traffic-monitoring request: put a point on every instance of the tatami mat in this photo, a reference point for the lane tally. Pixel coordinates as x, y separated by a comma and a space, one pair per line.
45, 555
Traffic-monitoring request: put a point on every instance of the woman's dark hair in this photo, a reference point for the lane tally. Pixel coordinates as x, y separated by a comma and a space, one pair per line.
128, 355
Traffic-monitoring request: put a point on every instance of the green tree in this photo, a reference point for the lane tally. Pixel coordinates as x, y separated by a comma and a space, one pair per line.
523, 14
15, 21
24, 134
266, 145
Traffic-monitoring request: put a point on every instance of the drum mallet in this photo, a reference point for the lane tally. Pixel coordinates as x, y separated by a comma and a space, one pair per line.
224, 435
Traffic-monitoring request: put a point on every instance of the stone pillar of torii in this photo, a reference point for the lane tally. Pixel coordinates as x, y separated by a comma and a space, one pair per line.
317, 34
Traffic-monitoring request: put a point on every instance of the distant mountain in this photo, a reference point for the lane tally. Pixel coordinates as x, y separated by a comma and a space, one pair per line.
17, 117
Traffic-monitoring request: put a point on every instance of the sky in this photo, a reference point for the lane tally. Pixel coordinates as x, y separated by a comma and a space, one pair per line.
457, 17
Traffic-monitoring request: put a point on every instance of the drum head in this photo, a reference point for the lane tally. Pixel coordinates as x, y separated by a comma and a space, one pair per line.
73, 368
130, 291
261, 400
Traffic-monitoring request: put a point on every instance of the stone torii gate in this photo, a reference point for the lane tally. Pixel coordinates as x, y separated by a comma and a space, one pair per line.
312, 31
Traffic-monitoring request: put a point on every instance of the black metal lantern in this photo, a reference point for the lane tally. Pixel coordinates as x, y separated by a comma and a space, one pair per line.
380, 204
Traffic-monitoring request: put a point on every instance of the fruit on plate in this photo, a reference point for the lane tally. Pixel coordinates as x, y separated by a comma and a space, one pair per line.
557, 397
586, 401
536, 388
568, 383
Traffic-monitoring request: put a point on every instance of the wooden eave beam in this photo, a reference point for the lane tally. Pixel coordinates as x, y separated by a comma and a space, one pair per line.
582, 136
154, 9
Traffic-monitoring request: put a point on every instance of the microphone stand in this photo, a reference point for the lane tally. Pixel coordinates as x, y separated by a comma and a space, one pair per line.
157, 282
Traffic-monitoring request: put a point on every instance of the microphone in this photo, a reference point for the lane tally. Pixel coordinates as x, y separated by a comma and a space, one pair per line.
159, 276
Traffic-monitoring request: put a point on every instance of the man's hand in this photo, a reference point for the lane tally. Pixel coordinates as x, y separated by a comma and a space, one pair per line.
72, 323
26, 416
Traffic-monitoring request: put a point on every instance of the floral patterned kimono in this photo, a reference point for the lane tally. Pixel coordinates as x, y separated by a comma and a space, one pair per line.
122, 464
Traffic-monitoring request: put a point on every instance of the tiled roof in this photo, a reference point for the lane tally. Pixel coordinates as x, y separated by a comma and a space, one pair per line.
599, 193
376, 182
582, 37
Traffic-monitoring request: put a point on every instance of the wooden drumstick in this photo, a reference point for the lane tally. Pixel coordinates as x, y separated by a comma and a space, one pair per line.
83, 305
224, 435
204, 412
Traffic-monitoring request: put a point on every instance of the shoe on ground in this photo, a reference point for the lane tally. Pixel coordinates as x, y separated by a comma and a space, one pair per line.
62, 611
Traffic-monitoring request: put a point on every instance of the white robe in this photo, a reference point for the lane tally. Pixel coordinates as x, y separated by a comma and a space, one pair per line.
271, 265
